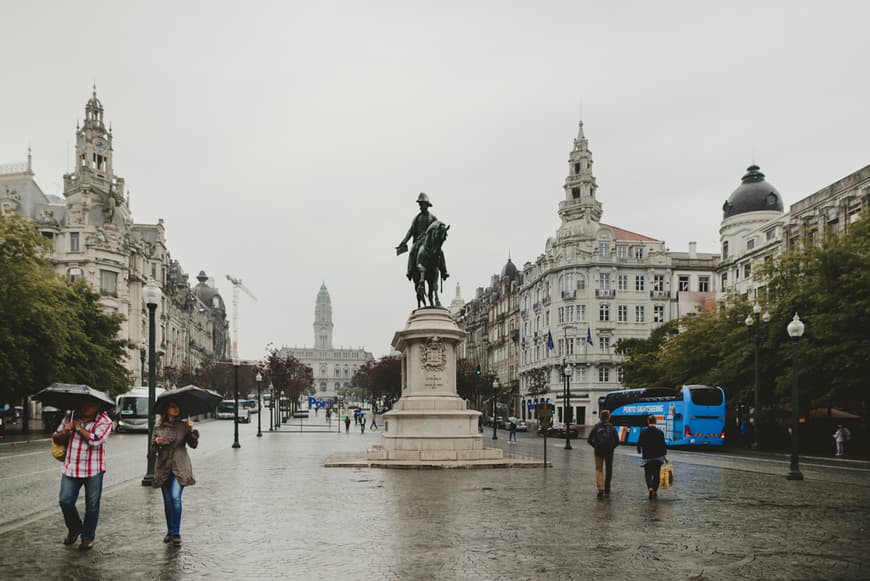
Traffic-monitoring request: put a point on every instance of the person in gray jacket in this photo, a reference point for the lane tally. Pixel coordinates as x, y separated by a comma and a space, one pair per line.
172, 471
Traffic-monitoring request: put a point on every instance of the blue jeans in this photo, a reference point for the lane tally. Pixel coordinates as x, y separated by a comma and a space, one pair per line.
69, 493
512, 436
172, 490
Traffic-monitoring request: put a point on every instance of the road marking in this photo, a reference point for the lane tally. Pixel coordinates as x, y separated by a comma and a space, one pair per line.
11, 456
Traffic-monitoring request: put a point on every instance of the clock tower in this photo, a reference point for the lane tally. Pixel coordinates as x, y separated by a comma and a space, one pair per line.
93, 179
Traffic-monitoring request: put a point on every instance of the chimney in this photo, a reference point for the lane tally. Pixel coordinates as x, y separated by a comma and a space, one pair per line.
693, 250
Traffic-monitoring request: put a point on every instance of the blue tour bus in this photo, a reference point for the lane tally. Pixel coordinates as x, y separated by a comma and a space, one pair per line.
693, 415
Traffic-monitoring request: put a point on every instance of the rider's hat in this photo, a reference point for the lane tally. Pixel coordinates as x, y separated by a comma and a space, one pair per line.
423, 198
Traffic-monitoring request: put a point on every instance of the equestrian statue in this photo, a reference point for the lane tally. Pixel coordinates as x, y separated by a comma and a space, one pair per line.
426, 259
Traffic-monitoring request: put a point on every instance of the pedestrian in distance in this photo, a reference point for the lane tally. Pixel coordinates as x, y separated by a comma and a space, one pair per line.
840, 436
362, 424
346, 424
374, 425
512, 431
604, 440
173, 471
654, 452
84, 434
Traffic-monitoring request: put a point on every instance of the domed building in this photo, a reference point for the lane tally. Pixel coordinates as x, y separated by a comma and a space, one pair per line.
752, 226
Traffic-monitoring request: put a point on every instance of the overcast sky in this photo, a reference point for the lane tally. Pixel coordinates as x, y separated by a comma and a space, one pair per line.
286, 142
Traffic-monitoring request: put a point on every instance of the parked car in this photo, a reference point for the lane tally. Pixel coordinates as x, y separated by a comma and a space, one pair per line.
522, 426
226, 410
559, 431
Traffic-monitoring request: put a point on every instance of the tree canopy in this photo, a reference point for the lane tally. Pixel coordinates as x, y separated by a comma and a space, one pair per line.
51, 330
381, 377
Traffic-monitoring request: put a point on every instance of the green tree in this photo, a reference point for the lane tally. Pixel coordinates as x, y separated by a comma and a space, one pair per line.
381, 377
51, 330
289, 375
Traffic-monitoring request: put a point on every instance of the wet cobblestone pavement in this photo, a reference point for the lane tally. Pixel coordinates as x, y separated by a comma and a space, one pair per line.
270, 510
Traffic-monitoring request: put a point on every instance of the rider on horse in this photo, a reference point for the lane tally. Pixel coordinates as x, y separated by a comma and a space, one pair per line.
416, 231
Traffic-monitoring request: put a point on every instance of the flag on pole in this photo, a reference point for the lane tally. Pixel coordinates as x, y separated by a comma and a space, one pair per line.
589, 334
550, 345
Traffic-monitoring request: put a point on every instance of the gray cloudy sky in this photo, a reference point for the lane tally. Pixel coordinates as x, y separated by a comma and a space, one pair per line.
286, 142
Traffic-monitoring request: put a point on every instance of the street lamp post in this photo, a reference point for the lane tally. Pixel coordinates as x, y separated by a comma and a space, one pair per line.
259, 407
236, 409
142, 348
151, 294
495, 386
272, 407
566, 402
795, 331
750, 322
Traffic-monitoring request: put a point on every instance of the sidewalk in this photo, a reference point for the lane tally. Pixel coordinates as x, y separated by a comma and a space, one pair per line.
270, 510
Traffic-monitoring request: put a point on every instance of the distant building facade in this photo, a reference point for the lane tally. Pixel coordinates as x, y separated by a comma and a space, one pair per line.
333, 368
94, 238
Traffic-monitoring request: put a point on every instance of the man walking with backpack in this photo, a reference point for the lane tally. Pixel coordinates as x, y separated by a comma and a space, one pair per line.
604, 440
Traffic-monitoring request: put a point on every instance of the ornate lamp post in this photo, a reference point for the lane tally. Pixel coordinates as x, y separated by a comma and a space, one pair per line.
259, 407
495, 386
795, 331
142, 348
151, 294
566, 403
750, 323
272, 406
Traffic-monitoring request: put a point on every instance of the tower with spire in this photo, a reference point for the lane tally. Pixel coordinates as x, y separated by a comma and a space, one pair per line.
580, 202
92, 181
323, 319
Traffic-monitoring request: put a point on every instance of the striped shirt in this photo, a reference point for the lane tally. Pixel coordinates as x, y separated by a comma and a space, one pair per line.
85, 458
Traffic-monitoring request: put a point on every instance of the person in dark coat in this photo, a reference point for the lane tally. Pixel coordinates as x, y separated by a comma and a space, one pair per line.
604, 440
651, 445
172, 471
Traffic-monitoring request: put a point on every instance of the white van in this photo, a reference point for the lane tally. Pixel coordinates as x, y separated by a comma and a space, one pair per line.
226, 410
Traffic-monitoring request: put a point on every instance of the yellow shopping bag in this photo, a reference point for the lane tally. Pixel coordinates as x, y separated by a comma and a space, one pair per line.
667, 476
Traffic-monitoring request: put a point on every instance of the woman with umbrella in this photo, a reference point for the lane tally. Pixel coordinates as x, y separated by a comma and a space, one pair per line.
173, 471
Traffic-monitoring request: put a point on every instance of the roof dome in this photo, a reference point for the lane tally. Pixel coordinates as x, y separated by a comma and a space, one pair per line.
510, 271
209, 295
753, 195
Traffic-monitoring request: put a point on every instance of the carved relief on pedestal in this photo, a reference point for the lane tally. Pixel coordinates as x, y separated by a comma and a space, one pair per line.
433, 357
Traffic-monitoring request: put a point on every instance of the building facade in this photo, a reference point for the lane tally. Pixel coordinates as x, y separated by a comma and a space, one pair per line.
755, 227
94, 238
562, 315
333, 368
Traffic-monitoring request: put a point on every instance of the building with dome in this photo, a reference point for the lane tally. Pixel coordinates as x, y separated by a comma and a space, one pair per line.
593, 285
755, 226
94, 238
333, 368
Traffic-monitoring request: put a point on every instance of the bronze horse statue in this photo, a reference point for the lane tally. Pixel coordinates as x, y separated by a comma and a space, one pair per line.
429, 263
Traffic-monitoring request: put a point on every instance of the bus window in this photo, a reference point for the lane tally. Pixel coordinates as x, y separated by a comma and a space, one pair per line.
706, 396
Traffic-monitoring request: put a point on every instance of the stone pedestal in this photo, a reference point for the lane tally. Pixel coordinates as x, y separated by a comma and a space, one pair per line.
430, 423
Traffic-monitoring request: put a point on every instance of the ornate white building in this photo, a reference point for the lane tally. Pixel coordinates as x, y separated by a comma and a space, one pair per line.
94, 238
333, 368
594, 285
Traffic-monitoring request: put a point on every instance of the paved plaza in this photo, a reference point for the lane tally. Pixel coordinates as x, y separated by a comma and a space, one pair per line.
271, 510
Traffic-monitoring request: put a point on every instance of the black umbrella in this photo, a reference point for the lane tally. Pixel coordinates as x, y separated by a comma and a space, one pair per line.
71, 396
191, 400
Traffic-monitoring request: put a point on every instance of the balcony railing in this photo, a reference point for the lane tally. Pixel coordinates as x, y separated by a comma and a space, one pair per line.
605, 293
569, 294
654, 294
546, 301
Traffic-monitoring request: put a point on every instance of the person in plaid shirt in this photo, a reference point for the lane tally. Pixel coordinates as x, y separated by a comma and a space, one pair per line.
85, 434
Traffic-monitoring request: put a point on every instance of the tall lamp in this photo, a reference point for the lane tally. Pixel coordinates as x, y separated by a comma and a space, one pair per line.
795, 331
142, 348
271, 404
236, 408
259, 408
566, 403
495, 386
151, 294
750, 322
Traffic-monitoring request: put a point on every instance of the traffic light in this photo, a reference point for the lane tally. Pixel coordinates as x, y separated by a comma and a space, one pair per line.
477, 369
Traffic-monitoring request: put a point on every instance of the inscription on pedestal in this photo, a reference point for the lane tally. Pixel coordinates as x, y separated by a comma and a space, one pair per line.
434, 381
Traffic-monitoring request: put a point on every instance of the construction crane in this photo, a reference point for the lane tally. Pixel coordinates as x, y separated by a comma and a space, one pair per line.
237, 284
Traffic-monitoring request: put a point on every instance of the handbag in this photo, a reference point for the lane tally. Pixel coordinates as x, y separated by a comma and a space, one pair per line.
58, 451
666, 479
